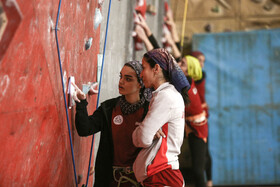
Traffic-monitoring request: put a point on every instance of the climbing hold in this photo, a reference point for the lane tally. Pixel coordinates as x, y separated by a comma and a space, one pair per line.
208, 28
215, 9
140, 8
268, 6
100, 2
71, 92
80, 177
151, 9
90, 88
97, 18
88, 44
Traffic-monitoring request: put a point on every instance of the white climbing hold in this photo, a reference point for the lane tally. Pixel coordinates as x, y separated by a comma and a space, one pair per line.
97, 18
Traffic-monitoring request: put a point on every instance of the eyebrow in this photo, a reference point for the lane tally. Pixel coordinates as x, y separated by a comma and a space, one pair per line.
130, 76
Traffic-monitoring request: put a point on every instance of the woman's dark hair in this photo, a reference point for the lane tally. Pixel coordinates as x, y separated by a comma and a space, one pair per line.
185, 91
185, 96
153, 63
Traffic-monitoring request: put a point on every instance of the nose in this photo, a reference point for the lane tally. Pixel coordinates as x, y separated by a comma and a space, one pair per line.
121, 81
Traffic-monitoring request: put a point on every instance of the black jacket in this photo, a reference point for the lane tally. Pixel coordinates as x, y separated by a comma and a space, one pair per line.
100, 121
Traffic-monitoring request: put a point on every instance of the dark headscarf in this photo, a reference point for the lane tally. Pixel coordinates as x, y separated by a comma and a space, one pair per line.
137, 67
196, 54
167, 62
146, 94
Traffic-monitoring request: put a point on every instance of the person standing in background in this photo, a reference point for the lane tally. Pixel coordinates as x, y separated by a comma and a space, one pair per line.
200, 85
196, 121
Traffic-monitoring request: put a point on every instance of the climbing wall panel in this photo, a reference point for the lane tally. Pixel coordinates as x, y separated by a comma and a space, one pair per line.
33, 133
215, 26
214, 16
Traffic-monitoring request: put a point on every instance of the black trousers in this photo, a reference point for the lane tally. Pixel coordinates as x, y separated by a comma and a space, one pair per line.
198, 151
208, 164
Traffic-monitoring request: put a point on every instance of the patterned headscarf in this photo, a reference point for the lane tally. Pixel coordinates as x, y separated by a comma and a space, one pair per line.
146, 94
137, 67
168, 63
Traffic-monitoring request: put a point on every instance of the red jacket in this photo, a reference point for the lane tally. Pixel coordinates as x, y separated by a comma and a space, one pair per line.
195, 115
200, 85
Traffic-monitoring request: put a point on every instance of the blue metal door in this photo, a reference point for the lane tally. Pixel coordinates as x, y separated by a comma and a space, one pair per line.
243, 93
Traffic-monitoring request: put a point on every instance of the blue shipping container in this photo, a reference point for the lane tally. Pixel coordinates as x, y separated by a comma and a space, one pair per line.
243, 93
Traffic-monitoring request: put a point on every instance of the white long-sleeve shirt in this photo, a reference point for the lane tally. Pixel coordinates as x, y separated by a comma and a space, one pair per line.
166, 112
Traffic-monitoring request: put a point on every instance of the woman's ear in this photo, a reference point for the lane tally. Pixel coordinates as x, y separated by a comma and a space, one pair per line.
157, 68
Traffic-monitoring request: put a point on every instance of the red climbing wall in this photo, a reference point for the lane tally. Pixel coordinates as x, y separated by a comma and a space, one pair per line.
34, 141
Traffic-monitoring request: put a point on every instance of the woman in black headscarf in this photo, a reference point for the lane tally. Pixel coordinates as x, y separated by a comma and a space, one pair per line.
116, 119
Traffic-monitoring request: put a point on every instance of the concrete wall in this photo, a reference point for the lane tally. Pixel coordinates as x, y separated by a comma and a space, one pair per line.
120, 47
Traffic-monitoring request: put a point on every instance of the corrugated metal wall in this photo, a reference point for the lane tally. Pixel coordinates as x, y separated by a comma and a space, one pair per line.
243, 92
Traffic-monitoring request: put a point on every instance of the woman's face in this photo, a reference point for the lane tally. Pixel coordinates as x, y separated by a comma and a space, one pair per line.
201, 60
183, 65
147, 74
128, 83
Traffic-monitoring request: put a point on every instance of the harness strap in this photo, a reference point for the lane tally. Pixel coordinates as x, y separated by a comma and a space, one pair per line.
123, 171
197, 118
126, 170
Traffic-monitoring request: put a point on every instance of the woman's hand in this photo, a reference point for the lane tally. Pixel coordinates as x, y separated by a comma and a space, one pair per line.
79, 94
159, 134
169, 20
139, 31
142, 22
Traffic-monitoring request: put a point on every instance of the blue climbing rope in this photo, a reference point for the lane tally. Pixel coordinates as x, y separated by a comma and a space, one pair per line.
99, 87
65, 103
